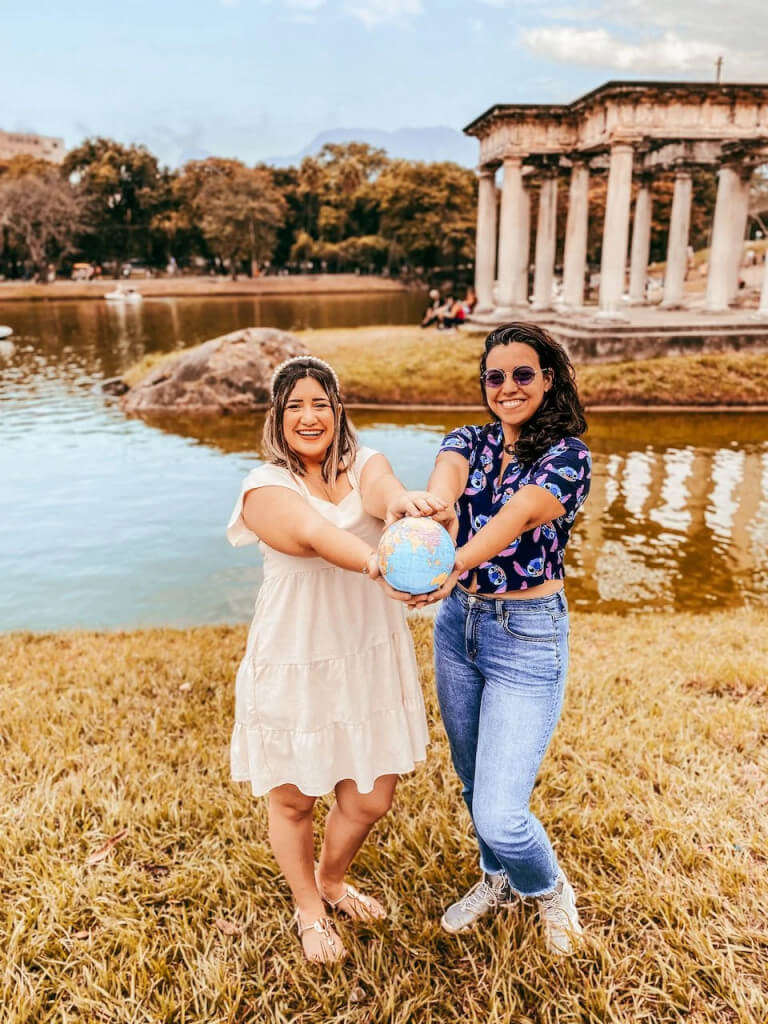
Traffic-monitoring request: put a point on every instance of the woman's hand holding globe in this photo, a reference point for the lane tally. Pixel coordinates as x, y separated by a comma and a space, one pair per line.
414, 503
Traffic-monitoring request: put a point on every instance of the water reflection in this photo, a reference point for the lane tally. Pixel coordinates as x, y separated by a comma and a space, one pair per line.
677, 515
109, 522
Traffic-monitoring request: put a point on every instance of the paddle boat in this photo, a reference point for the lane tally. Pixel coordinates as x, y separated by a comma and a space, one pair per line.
124, 293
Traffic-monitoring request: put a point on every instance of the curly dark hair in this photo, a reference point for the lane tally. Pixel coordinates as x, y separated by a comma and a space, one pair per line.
561, 413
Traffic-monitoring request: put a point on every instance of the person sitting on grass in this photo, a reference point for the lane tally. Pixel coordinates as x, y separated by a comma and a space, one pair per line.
433, 309
327, 695
458, 312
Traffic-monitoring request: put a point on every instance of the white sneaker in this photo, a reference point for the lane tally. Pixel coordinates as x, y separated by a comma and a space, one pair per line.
560, 918
487, 896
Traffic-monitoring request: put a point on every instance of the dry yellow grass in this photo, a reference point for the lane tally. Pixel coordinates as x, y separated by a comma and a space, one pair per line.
405, 365
654, 792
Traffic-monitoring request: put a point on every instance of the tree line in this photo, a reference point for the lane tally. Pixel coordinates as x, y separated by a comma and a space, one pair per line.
350, 207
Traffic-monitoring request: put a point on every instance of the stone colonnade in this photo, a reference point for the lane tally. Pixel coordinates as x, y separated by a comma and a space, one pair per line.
505, 259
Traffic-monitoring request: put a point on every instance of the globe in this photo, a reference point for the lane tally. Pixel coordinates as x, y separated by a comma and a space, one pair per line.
415, 555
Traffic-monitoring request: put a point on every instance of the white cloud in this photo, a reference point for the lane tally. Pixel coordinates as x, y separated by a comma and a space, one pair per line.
652, 36
375, 12
668, 53
305, 5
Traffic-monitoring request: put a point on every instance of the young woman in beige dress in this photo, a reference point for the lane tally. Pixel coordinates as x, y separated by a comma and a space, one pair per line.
327, 695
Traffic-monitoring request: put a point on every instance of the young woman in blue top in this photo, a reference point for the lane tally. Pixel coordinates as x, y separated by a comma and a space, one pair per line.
501, 634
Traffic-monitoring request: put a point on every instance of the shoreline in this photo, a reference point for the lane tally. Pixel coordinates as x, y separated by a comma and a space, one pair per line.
203, 287
392, 407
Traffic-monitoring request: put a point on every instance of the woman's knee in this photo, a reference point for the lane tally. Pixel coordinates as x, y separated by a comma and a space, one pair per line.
290, 804
501, 827
366, 808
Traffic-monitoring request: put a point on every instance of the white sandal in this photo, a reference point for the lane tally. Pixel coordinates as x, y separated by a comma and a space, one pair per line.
331, 949
357, 900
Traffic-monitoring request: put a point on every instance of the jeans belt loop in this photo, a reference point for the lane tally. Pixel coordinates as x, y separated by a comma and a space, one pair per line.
500, 612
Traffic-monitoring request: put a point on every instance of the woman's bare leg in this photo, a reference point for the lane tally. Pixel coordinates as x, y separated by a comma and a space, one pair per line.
291, 839
349, 822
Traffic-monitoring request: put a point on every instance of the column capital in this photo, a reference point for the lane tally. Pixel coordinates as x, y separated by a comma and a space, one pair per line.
683, 171
577, 159
513, 154
627, 140
486, 170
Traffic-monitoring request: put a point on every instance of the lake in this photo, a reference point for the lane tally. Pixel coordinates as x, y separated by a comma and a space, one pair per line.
113, 523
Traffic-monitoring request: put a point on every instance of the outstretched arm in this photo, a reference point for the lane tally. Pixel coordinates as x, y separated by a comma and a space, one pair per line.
526, 509
384, 497
449, 477
287, 522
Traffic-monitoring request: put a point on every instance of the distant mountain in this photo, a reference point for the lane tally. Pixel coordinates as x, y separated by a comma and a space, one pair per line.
430, 144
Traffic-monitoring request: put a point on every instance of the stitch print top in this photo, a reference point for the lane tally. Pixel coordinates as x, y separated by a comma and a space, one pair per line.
536, 555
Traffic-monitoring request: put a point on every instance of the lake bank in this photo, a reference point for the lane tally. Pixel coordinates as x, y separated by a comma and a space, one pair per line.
653, 791
196, 287
402, 366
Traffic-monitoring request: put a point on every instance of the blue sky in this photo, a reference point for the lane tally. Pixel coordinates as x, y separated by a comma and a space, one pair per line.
255, 78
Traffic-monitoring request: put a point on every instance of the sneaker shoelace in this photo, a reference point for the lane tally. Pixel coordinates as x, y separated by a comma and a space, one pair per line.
477, 896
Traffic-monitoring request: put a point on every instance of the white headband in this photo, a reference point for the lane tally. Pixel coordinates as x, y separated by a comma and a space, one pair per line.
295, 359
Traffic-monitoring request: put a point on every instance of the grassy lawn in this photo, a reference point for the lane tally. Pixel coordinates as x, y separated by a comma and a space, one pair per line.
404, 365
654, 792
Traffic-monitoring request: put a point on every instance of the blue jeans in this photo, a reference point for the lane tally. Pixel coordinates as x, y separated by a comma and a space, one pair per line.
501, 668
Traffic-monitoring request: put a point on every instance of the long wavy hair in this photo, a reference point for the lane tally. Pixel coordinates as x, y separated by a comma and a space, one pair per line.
342, 450
561, 413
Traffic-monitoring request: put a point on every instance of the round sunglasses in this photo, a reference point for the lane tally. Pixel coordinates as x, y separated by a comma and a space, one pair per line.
521, 375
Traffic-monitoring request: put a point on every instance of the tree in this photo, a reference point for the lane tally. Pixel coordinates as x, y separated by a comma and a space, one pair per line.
241, 212
42, 216
333, 190
123, 192
429, 212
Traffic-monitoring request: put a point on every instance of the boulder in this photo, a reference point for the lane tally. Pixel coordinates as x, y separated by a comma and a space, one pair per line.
230, 374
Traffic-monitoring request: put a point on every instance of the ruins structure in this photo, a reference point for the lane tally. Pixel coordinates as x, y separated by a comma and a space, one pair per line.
631, 132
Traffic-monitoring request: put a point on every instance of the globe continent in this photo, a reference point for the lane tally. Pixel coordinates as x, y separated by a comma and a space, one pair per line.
415, 555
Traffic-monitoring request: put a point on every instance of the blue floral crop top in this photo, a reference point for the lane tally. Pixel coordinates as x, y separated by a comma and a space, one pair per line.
537, 555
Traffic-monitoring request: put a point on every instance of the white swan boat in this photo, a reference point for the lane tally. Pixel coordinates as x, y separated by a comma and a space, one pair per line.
5, 332
123, 294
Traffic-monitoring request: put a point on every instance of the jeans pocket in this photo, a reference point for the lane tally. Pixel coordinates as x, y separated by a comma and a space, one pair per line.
529, 626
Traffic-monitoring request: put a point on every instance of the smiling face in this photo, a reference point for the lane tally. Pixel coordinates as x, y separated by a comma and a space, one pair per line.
515, 404
308, 420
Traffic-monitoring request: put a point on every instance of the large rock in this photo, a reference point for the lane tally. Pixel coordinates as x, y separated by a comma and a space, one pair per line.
229, 374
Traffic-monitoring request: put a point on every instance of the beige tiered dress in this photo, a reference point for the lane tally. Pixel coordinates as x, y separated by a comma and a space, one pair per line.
329, 687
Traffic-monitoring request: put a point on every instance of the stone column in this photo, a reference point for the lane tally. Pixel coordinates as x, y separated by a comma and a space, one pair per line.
575, 256
513, 249
720, 272
677, 241
740, 217
485, 239
525, 247
641, 242
616, 230
763, 309
546, 241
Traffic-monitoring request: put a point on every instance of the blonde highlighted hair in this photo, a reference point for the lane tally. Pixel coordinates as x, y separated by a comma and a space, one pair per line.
343, 449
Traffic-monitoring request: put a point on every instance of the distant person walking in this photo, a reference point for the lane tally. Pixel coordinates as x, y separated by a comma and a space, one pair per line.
501, 634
